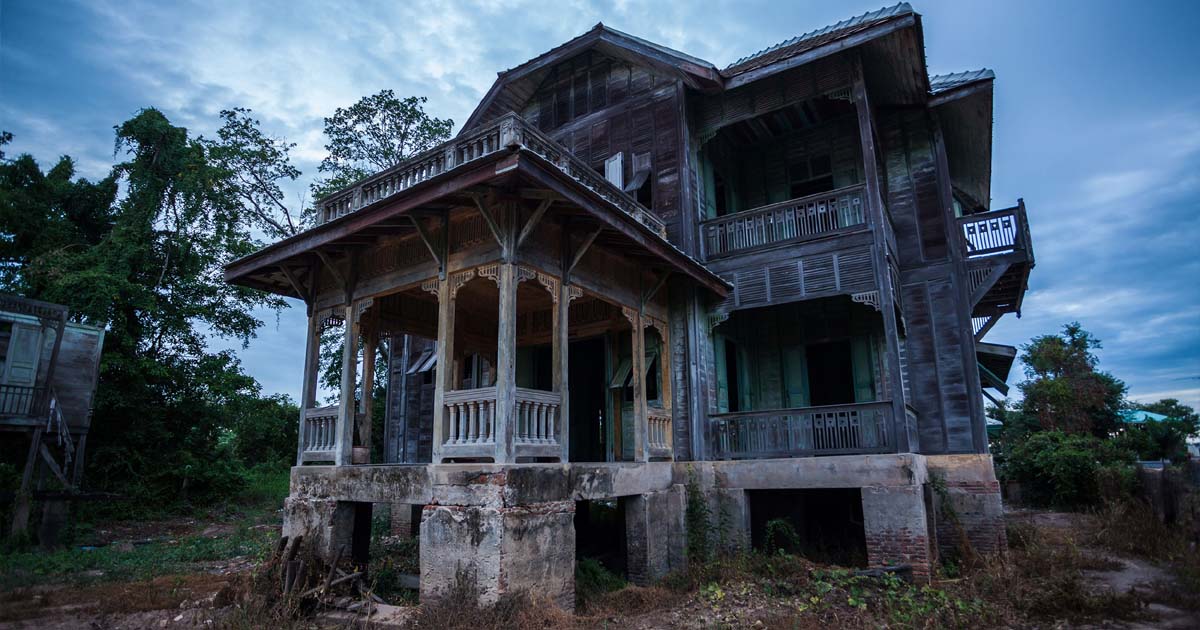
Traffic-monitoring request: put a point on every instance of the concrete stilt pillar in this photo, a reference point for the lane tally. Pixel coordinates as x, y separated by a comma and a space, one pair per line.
654, 534
897, 528
974, 505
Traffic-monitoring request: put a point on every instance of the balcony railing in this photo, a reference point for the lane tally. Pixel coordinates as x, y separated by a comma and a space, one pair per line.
470, 416
320, 434
537, 416
830, 430
792, 220
996, 232
22, 401
658, 422
509, 132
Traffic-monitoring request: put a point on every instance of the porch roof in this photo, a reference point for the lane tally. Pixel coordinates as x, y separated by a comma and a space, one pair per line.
515, 166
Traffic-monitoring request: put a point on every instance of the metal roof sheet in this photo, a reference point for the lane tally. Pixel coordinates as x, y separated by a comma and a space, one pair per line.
813, 39
945, 82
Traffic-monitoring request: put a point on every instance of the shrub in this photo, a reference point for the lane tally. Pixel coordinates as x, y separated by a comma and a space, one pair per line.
1068, 471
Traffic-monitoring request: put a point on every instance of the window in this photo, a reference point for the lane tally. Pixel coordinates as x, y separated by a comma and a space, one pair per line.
614, 170
811, 175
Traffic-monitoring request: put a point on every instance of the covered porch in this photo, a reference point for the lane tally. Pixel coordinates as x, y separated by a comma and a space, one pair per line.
510, 254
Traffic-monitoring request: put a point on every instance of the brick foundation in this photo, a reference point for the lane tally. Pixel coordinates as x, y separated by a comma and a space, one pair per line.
970, 506
895, 525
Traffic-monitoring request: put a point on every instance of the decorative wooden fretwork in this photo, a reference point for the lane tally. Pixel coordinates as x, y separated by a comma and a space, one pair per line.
844, 94
330, 321
551, 284
630, 314
491, 272
715, 318
657, 324
525, 273
870, 298
460, 278
430, 286
362, 306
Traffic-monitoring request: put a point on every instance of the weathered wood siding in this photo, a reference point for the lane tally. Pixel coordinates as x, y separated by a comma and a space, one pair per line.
934, 343
597, 106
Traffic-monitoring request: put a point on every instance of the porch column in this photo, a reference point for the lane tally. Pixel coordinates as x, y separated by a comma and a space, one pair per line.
444, 374
664, 368
880, 230
561, 317
344, 444
638, 366
370, 343
308, 387
506, 362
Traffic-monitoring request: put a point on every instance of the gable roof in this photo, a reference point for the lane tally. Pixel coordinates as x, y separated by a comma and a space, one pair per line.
525, 78
813, 39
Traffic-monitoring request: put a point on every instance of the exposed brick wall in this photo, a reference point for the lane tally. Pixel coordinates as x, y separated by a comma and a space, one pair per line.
970, 505
896, 531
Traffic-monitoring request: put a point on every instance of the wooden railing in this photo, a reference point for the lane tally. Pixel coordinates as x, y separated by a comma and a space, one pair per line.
795, 219
470, 416
537, 416
830, 430
659, 427
996, 232
509, 132
22, 401
319, 433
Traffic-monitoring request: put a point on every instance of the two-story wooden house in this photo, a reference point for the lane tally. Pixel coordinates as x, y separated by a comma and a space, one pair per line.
631, 268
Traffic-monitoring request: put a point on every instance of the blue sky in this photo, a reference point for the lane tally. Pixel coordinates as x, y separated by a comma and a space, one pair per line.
1097, 119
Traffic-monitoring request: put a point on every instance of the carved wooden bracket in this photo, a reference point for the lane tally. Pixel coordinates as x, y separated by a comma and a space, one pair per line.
462, 277
870, 298
430, 286
630, 314
715, 319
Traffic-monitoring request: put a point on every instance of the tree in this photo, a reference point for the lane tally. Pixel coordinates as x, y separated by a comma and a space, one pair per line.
254, 165
377, 132
1165, 439
1063, 389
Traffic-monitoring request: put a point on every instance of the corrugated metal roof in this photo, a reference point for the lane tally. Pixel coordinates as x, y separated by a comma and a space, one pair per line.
944, 82
813, 39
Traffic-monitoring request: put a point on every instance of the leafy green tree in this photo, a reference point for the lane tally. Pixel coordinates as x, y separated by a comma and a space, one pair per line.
1058, 469
1063, 389
255, 166
377, 132
1162, 440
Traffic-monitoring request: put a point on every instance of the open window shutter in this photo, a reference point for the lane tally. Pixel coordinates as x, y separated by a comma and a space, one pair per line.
722, 373
614, 170
864, 368
795, 373
24, 350
710, 187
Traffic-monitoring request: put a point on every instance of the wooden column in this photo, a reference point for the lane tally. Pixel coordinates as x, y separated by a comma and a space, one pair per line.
883, 278
665, 376
308, 387
445, 364
560, 346
370, 343
20, 522
506, 362
638, 365
344, 442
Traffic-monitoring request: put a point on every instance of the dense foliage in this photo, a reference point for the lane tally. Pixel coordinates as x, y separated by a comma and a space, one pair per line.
1062, 470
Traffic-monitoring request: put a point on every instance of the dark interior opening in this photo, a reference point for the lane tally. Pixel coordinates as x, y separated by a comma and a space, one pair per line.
826, 525
600, 533
588, 384
731, 376
830, 373
645, 195
360, 537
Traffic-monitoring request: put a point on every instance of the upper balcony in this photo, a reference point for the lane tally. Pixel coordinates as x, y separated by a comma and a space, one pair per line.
999, 255
507, 133
792, 221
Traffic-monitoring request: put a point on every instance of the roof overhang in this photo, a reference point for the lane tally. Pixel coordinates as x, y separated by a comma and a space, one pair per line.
965, 113
995, 364
365, 224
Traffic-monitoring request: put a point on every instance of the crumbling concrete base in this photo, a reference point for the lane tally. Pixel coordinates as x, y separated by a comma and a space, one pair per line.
896, 527
967, 505
325, 524
655, 536
500, 550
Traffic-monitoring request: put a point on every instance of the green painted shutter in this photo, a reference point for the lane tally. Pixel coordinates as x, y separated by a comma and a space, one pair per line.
745, 384
722, 373
795, 374
24, 351
710, 187
862, 357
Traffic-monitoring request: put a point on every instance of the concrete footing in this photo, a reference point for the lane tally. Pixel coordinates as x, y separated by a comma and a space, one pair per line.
967, 504
510, 528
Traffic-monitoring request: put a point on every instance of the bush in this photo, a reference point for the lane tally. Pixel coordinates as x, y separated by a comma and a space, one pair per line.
1069, 471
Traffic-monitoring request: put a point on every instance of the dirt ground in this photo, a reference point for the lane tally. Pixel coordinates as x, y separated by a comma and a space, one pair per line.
206, 596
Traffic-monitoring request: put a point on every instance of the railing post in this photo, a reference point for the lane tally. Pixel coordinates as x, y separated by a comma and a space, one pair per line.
561, 319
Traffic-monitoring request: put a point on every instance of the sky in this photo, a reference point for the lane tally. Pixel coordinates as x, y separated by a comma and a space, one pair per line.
1097, 120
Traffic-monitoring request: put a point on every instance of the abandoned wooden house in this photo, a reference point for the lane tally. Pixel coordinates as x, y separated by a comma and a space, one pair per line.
49, 368
631, 269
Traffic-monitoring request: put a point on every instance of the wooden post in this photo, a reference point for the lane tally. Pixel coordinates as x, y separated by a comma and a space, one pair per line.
506, 362
20, 523
344, 443
445, 365
370, 342
561, 344
883, 276
308, 388
638, 365
664, 369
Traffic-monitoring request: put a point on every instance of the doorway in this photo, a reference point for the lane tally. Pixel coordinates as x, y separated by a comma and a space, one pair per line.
587, 380
830, 373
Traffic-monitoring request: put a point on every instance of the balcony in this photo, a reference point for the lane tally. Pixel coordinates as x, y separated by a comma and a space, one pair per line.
860, 428
999, 255
507, 133
789, 221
